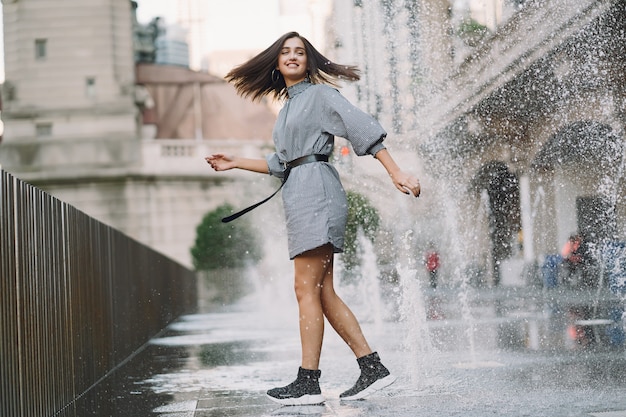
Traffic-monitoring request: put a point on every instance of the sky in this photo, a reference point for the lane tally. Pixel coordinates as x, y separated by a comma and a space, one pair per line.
147, 9
222, 29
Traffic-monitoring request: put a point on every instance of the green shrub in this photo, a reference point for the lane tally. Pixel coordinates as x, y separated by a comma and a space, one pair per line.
224, 245
361, 214
471, 27
472, 32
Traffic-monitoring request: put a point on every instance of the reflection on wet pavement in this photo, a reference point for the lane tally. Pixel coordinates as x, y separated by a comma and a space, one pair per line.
221, 364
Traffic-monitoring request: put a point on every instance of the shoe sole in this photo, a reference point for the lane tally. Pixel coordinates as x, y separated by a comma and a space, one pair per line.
304, 400
300, 410
378, 385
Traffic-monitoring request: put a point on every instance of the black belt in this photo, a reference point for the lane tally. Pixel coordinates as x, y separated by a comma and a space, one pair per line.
288, 167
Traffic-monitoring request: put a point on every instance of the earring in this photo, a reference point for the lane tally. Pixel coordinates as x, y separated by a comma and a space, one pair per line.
275, 76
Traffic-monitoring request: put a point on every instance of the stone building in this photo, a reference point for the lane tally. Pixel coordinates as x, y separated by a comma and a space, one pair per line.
124, 143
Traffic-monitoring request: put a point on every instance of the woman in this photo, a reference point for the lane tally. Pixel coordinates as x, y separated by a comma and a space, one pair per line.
314, 200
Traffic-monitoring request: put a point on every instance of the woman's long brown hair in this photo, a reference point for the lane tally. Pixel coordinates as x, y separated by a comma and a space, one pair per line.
255, 78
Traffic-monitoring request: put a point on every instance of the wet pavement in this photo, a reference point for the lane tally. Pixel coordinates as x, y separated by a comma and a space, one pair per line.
221, 363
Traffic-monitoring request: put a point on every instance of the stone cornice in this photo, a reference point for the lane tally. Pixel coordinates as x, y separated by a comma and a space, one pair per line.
531, 35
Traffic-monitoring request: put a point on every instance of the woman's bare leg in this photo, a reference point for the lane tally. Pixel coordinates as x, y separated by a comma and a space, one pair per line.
374, 375
316, 297
341, 317
310, 269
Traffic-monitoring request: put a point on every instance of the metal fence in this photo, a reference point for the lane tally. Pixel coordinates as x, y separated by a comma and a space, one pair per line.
77, 298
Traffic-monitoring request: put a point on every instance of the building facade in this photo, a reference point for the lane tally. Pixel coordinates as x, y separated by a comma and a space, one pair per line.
520, 126
68, 95
124, 143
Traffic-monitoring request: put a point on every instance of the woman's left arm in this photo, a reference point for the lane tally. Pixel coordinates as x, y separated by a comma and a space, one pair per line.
404, 182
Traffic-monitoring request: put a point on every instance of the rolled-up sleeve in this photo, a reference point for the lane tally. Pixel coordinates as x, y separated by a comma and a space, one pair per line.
275, 167
341, 118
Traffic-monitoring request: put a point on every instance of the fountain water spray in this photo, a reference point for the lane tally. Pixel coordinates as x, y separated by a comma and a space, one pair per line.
460, 276
412, 304
370, 287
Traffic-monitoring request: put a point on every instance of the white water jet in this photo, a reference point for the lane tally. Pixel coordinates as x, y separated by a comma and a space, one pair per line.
413, 313
370, 281
272, 278
412, 309
460, 274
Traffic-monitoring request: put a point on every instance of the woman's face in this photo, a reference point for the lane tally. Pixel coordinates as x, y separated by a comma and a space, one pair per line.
292, 61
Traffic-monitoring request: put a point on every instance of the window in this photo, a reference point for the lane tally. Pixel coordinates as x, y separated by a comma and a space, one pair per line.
43, 130
90, 87
41, 48
8, 91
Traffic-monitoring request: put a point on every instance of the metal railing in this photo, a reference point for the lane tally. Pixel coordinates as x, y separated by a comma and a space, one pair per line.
77, 299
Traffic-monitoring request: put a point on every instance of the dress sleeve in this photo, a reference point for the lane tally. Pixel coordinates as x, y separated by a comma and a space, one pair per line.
275, 167
343, 119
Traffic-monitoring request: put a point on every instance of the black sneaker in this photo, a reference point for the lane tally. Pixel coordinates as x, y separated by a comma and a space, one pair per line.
374, 376
305, 390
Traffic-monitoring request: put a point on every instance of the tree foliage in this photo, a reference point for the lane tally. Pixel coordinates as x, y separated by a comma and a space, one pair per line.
472, 32
224, 245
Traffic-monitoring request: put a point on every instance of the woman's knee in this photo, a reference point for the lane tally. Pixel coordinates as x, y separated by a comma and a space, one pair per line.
306, 292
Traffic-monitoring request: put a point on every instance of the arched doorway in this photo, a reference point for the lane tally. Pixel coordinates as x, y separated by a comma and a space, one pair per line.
500, 189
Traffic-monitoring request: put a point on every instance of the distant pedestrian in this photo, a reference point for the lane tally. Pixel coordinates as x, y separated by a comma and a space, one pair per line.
432, 266
572, 262
314, 200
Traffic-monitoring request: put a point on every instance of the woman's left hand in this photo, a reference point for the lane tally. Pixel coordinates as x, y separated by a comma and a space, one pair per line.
406, 183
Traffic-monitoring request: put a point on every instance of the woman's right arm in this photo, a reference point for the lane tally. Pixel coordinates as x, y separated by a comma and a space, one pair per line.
221, 162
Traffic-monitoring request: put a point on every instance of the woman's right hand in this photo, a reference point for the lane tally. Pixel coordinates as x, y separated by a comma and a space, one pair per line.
221, 162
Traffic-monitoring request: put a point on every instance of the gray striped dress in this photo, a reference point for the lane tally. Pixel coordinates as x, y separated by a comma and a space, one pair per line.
315, 202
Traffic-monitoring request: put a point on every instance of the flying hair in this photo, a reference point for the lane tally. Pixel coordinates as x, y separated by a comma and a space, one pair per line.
258, 77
